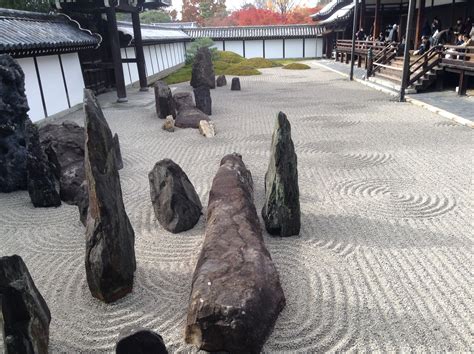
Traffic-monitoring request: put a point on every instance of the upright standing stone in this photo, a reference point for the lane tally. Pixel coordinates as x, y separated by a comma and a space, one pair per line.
235, 86
13, 115
203, 69
110, 240
236, 294
140, 341
202, 96
221, 81
183, 100
281, 211
175, 201
118, 152
164, 101
24, 313
40, 178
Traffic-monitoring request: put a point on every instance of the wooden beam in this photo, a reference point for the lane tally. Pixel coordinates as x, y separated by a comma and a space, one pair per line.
419, 22
362, 15
137, 34
377, 19
406, 56
116, 56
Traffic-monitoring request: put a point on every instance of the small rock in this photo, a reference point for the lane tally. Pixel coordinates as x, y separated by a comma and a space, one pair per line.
118, 152
164, 101
175, 201
141, 341
207, 129
23, 311
168, 125
183, 100
190, 118
203, 69
235, 86
202, 96
221, 81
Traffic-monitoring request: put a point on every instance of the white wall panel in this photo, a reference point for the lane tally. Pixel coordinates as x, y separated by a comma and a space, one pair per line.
132, 66
294, 48
235, 46
32, 89
125, 66
218, 45
319, 47
73, 77
159, 64
254, 49
274, 48
150, 70
53, 84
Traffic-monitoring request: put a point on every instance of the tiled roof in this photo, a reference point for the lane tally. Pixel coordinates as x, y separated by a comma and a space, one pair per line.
329, 9
340, 15
153, 33
30, 33
254, 32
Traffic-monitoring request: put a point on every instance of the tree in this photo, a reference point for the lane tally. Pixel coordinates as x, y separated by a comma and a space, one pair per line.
28, 5
155, 16
203, 11
285, 6
190, 11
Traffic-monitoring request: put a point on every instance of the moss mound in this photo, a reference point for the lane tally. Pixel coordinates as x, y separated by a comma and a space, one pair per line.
182, 75
259, 63
296, 66
220, 67
229, 57
242, 70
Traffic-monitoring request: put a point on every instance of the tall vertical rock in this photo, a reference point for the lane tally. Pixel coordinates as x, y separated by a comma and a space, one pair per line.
202, 96
203, 69
24, 313
236, 294
164, 102
13, 115
110, 239
281, 211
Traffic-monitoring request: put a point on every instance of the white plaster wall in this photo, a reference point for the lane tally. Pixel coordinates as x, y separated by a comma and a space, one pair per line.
254, 49
32, 89
218, 45
319, 47
73, 77
132, 66
235, 46
294, 48
53, 85
125, 66
150, 69
274, 48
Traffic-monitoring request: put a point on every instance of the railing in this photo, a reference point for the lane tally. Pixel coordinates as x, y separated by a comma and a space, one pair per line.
424, 64
384, 57
458, 57
361, 47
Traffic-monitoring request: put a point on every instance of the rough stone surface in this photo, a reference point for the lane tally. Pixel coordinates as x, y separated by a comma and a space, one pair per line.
190, 118
140, 341
202, 96
13, 115
175, 201
110, 239
118, 152
281, 211
203, 69
183, 100
236, 294
207, 129
24, 313
165, 104
221, 81
40, 178
168, 124
235, 86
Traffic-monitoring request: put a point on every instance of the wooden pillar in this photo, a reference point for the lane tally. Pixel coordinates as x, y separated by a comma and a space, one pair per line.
362, 15
419, 22
463, 79
140, 57
453, 14
406, 56
377, 19
354, 29
116, 56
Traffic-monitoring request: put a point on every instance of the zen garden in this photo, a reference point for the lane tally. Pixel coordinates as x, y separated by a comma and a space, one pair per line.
274, 176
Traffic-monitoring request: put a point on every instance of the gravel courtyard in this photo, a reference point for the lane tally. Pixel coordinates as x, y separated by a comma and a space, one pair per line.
383, 261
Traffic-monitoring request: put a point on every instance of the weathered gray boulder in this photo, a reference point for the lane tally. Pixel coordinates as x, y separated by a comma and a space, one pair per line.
40, 178
168, 125
140, 341
183, 100
24, 313
203, 69
236, 294
175, 201
110, 240
165, 105
235, 85
190, 118
13, 115
281, 211
118, 152
221, 81
202, 96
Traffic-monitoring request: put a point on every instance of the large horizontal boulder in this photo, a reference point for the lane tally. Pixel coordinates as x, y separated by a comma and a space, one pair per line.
110, 239
183, 100
140, 341
24, 313
164, 101
281, 211
190, 118
236, 294
175, 201
203, 69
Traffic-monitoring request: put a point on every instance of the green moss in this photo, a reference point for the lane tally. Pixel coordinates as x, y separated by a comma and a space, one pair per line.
241, 70
297, 66
181, 75
229, 57
220, 67
259, 63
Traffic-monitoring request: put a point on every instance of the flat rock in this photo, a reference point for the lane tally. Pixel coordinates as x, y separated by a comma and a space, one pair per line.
24, 313
203, 69
207, 129
140, 341
202, 96
281, 211
164, 101
236, 294
175, 201
221, 81
183, 100
110, 239
190, 118
235, 85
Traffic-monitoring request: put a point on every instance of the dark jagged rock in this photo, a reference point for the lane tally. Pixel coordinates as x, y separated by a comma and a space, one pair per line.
165, 105
235, 86
118, 152
82, 203
175, 201
236, 294
281, 211
183, 100
203, 69
25, 314
110, 240
40, 178
140, 341
190, 118
13, 115
221, 81
202, 96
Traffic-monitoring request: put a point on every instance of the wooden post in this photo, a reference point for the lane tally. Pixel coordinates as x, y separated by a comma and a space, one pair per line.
362, 15
116, 56
462, 83
137, 34
419, 22
370, 63
377, 19
453, 17
354, 29
406, 56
